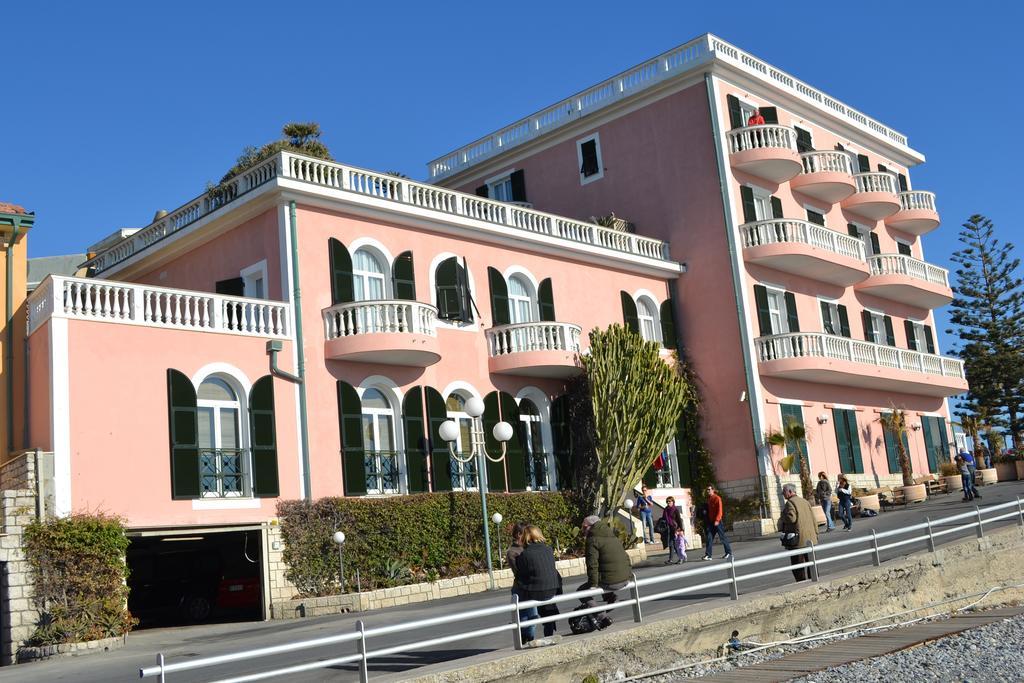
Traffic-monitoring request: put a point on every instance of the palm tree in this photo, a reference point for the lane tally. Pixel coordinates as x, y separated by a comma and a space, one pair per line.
895, 422
973, 424
792, 435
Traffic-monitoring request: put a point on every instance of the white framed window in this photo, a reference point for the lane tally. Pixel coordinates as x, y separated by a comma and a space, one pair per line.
501, 189
254, 279
762, 203
380, 457
588, 159
903, 247
536, 459
464, 475
223, 461
522, 303
369, 276
834, 319
647, 316
876, 334
777, 311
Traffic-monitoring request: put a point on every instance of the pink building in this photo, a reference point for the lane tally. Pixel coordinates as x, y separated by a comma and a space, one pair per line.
805, 295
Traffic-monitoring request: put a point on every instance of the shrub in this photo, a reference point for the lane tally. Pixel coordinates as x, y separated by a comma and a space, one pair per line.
948, 469
78, 574
394, 540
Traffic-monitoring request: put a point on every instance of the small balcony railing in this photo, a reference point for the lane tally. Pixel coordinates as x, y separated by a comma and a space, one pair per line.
381, 470
917, 201
382, 316
875, 182
221, 472
826, 162
899, 264
540, 336
761, 137
820, 345
785, 230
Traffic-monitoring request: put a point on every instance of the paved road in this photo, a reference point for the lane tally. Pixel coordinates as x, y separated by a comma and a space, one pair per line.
202, 641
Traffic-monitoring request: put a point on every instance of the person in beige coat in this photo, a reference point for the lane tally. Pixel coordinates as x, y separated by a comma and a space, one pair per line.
798, 518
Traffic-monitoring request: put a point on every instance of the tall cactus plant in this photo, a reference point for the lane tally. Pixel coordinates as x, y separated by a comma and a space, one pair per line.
637, 399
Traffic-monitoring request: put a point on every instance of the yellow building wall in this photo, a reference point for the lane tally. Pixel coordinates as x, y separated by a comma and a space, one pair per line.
11, 434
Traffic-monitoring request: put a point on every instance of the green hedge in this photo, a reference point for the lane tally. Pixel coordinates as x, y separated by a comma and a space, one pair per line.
401, 539
78, 574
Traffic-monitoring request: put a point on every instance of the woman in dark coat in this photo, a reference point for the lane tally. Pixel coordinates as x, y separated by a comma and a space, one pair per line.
537, 576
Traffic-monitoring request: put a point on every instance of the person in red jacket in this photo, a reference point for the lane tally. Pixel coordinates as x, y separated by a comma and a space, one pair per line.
756, 119
713, 524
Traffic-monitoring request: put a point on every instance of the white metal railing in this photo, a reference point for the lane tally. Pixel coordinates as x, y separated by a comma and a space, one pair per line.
917, 200
827, 162
540, 336
134, 304
769, 136
821, 345
380, 316
401, 191
782, 230
718, 575
875, 182
695, 53
899, 264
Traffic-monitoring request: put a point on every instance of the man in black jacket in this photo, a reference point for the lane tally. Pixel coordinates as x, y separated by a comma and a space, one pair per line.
608, 565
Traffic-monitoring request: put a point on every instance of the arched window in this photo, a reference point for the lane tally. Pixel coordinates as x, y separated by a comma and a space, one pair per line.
379, 454
521, 303
463, 473
368, 277
533, 442
647, 315
221, 457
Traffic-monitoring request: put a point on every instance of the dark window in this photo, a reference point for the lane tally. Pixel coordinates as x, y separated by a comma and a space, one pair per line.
588, 153
863, 164
546, 301
815, 217
452, 288
232, 287
403, 277
803, 140
903, 248
770, 114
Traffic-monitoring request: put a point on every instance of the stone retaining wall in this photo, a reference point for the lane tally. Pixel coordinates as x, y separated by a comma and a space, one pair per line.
418, 592
17, 509
31, 654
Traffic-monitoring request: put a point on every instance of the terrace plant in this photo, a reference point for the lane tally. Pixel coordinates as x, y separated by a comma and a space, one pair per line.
793, 439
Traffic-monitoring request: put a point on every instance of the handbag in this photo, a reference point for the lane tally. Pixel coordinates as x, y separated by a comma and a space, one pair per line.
790, 541
661, 526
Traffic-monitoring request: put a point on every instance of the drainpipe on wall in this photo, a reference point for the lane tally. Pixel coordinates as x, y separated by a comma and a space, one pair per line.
737, 284
297, 303
9, 355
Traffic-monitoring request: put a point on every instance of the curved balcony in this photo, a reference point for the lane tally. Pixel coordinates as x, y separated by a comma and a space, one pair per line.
767, 152
827, 359
803, 248
382, 331
544, 349
875, 197
827, 176
917, 214
907, 280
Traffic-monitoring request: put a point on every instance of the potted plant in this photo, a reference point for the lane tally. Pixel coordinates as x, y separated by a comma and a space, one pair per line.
951, 477
793, 439
990, 475
1006, 467
895, 422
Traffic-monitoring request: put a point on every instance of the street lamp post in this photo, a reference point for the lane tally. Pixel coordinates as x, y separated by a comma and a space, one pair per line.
629, 511
496, 518
502, 432
339, 538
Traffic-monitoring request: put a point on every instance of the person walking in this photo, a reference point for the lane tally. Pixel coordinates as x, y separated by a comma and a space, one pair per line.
539, 580
972, 466
845, 494
645, 503
823, 494
608, 566
514, 551
965, 477
798, 528
713, 524
674, 527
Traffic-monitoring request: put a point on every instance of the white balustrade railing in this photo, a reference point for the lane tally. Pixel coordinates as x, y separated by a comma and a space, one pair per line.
898, 264
134, 304
768, 136
875, 182
382, 316
820, 345
539, 336
692, 55
917, 200
827, 162
385, 187
782, 230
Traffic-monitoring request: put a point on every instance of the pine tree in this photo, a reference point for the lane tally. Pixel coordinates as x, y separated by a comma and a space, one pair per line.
987, 306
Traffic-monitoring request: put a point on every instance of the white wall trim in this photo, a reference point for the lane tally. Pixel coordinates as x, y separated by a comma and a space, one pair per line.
459, 385
250, 273
226, 503
596, 137
227, 369
60, 416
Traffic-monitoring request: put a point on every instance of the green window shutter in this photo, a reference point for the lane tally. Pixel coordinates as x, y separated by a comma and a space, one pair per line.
546, 301
668, 324
869, 326
350, 424
882, 169
770, 114
908, 327
852, 230
747, 198
629, 316
891, 454
415, 440
482, 191
875, 248
684, 456
858, 463
404, 277
341, 272
803, 140
184, 434
848, 440
931, 441
561, 435
491, 417
890, 334
902, 181
792, 318
776, 207
903, 248
929, 339
515, 449
735, 112
499, 298
826, 318
449, 286
844, 321
264, 439
815, 217
764, 318
440, 456
943, 453
863, 164
518, 181
792, 412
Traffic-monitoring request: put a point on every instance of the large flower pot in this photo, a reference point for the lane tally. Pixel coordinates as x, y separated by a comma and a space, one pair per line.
954, 483
1020, 468
989, 476
1006, 471
915, 493
869, 502
819, 514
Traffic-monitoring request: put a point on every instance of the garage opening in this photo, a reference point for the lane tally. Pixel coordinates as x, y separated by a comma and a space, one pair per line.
193, 579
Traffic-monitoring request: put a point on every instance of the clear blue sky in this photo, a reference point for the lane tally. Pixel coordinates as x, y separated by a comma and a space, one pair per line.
115, 110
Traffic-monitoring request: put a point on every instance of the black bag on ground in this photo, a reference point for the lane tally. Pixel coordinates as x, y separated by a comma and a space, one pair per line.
584, 623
